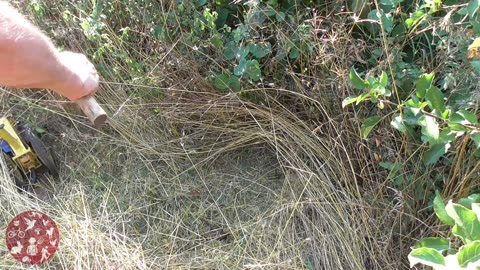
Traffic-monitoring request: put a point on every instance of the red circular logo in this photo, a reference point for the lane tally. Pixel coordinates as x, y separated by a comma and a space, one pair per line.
32, 237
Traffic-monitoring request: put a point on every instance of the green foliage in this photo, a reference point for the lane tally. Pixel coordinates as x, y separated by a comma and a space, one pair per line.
237, 36
439, 123
436, 252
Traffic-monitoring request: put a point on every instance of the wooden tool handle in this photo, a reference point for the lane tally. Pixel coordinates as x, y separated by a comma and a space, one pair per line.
92, 110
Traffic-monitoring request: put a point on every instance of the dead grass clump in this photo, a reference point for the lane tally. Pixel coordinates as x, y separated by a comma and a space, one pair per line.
185, 177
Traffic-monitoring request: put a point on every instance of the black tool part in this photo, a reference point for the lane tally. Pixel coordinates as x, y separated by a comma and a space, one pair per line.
32, 140
16, 173
40, 150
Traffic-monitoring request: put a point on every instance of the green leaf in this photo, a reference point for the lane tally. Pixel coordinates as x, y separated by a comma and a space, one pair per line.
423, 84
260, 50
476, 208
40, 130
242, 52
476, 139
369, 124
356, 81
426, 256
269, 11
294, 53
469, 201
447, 135
435, 152
435, 99
362, 97
158, 32
234, 82
469, 254
239, 69
473, 7
437, 243
464, 117
387, 21
280, 16
221, 81
476, 66
467, 226
398, 124
431, 130
199, 3
230, 50
384, 79
253, 70
240, 33
349, 100
439, 208
414, 19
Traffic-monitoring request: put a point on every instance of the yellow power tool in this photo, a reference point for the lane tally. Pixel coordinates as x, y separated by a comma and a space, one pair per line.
24, 153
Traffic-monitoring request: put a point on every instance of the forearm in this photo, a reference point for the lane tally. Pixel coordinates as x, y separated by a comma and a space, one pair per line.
27, 57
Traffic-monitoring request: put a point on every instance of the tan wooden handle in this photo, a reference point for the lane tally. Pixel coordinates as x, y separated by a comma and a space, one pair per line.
92, 110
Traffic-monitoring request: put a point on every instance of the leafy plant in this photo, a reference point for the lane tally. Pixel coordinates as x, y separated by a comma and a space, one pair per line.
427, 110
437, 252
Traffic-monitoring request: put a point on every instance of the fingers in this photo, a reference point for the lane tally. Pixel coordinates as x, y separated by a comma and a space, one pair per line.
84, 79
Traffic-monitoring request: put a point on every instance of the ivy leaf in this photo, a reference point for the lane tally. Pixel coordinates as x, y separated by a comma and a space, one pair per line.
221, 81
224, 82
239, 69
435, 100
435, 152
469, 254
240, 33
294, 53
158, 32
260, 50
467, 225
280, 16
253, 70
437, 243
369, 124
431, 130
426, 256
230, 50
234, 82
423, 84
439, 208
356, 81
242, 52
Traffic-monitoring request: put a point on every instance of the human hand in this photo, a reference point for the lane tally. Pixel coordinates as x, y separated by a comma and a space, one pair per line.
80, 78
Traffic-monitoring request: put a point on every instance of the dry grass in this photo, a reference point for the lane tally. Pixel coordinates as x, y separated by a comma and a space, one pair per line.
212, 181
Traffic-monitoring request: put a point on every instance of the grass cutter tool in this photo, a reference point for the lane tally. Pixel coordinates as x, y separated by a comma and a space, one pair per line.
26, 154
